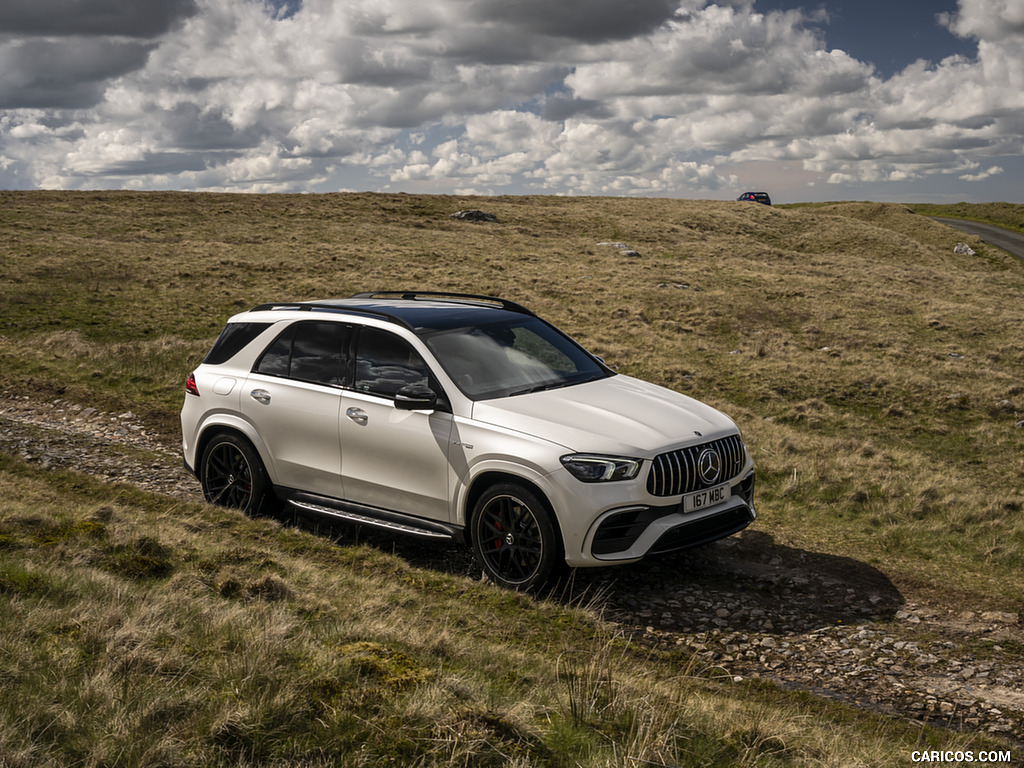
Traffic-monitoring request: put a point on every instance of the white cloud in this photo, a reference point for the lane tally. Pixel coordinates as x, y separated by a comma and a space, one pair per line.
524, 135
991, 20
988, 173
29, 130
665, 97
719, 51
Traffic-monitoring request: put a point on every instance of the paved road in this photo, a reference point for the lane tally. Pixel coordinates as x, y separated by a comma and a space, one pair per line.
1011, 242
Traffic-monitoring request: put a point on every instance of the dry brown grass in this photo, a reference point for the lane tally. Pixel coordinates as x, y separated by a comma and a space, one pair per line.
137, 631
876, 374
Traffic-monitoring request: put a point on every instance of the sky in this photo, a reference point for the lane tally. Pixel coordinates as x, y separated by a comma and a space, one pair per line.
887, 100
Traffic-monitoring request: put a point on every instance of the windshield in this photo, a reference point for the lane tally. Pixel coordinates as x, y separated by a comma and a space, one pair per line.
506, 359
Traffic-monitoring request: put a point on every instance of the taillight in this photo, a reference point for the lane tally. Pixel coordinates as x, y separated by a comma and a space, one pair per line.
190, 385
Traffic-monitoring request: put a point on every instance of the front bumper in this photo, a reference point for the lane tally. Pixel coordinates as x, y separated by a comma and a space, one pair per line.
630, 533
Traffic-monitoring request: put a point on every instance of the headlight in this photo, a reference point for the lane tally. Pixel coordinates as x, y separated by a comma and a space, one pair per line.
589, 468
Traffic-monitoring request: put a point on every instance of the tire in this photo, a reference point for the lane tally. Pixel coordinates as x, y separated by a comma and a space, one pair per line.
232, 475
514, 539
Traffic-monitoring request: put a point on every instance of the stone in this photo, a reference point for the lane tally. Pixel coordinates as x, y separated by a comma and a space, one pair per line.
624, 250
1000, 617
474, 215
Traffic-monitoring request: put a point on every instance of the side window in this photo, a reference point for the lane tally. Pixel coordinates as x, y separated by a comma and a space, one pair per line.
231, 341
385, 363
308, 351
277, 359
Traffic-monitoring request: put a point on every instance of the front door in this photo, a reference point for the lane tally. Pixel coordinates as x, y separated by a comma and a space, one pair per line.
391, 458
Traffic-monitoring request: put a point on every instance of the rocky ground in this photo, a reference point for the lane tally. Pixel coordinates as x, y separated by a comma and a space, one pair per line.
746, 606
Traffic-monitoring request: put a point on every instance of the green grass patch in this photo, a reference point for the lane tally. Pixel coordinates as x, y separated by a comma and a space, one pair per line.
1006, 215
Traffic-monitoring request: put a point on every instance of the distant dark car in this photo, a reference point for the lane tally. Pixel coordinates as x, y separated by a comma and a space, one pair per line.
757, 197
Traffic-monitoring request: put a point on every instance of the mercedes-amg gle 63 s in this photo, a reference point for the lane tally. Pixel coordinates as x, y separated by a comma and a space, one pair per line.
460, 418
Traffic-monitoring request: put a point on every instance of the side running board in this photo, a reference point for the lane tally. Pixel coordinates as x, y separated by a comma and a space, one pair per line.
377, 518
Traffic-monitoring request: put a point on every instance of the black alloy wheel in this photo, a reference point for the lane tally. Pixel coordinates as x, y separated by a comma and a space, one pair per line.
232, 475
513, 538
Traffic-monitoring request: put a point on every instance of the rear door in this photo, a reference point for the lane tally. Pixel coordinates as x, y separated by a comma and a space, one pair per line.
294, 396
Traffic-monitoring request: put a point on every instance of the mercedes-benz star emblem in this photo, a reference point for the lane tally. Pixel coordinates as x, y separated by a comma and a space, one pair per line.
709, 466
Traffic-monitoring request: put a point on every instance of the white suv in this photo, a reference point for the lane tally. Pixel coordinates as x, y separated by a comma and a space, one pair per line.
460, 418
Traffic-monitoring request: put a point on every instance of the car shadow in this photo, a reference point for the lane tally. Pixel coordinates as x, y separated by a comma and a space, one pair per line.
439, 556
747, 582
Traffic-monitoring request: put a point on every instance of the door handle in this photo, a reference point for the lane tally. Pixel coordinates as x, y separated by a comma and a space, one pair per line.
358, 415
260, 396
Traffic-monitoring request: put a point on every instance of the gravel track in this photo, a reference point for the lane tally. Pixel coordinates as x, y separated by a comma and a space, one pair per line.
746, 606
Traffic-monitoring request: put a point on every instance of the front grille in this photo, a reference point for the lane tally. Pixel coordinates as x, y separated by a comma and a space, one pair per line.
676, 472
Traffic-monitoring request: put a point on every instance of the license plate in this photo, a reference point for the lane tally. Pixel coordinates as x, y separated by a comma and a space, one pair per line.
694, 502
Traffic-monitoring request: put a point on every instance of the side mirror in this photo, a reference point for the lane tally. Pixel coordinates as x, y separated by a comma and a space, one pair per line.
415, 397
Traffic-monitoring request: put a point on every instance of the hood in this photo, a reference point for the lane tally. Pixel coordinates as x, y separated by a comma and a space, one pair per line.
619, 415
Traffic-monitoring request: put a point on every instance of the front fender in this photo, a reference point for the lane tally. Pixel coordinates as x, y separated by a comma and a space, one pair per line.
484, 449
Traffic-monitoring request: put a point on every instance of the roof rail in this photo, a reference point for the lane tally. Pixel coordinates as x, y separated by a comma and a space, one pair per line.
313, 306
511, 306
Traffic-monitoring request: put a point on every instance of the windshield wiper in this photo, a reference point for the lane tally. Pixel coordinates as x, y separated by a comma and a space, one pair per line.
539, 388
585, 379
559, 384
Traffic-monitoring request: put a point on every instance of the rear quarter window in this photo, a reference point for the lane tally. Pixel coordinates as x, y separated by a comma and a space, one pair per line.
232, 340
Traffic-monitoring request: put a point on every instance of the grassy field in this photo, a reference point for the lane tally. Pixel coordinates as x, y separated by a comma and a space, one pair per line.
1007, 215
875, 374
138, 631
